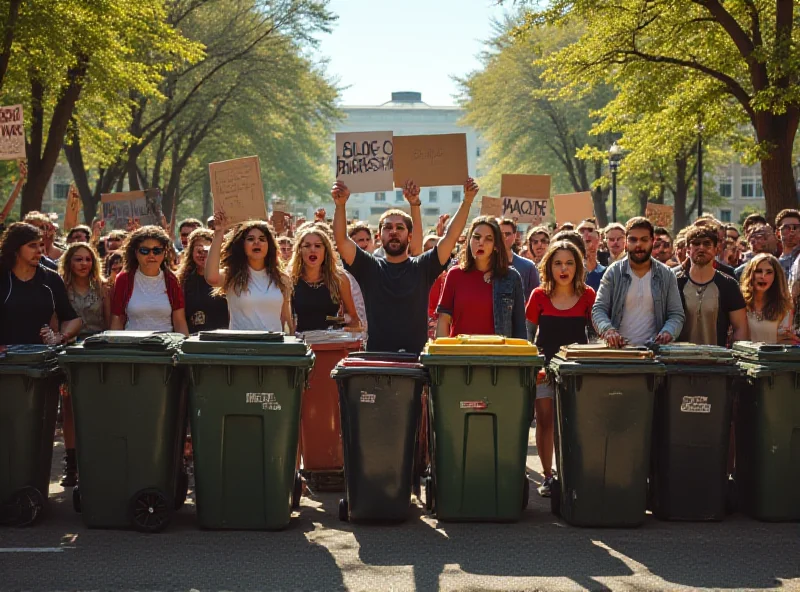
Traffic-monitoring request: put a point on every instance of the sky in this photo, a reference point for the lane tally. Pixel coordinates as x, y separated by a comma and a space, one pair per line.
381, 46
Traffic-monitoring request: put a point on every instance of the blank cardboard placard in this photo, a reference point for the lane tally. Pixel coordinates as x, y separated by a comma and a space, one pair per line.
74, 206
531, 186
118, 208
237, 189
660, 215
365, 161
12, 133
491, 206
573, 207
431, 161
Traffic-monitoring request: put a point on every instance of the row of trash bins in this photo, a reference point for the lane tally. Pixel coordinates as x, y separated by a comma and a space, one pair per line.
636, 429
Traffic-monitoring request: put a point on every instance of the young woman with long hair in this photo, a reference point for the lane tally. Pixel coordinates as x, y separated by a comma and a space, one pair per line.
243, 266
559, 313
321, 288
147, 295
482, 295
204, 310
769, 304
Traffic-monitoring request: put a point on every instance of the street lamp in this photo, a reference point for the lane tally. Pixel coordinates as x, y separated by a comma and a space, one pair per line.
700, 129
614, 156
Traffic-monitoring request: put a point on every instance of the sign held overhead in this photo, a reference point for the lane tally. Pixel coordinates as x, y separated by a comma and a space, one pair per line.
365, 161
12, 133
431, 161
573, 207
237, 189
118, 208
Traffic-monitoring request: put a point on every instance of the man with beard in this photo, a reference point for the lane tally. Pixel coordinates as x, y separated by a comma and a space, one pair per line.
396, 286
711, 299
591, 238
662, 247
638, 300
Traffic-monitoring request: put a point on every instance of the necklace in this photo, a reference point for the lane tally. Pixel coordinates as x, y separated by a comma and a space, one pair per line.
313, 285
758, 315
700, 291
487, 277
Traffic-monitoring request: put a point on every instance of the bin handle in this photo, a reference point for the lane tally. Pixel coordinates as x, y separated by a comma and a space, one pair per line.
482, 339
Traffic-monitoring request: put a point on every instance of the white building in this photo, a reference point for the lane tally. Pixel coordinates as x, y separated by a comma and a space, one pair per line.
407, 115
741, 186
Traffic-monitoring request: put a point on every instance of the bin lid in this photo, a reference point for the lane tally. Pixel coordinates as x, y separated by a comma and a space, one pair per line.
691, 353
30, 355
244, 343
139, 341
766, 352
385, 356
234, 335
481, 345
763, 370
350, 367
600, 352
583, 366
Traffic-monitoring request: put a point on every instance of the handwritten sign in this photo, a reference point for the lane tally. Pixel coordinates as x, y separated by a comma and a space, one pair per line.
431, 161
237, 189
12, 133
119, 207
365, 161
524, 210
573, 207
74, 206
660, 215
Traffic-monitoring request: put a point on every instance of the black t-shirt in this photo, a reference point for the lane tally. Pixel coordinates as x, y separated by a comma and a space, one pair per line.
204, 312
25, 307
312, 306
396, 298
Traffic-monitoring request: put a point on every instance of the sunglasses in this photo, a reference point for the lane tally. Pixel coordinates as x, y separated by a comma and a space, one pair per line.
155, 250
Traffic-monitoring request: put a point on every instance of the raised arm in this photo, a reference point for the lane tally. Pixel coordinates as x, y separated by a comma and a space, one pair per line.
344, 244
411, 193
448, 242
23, 173
214, 275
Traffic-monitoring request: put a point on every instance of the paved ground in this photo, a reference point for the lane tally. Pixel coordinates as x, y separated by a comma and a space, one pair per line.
318, 552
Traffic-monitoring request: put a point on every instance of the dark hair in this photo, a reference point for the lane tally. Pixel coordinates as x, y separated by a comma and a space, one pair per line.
395, 212
188, 266
546, 266
190, 222
566, 226
508, 221
14, 238
80, 228
117, 234
639, 222
499, 261
572, 236
661, 230
788, 213
358, 227
753, 219
129, 261
110, 260
700, 232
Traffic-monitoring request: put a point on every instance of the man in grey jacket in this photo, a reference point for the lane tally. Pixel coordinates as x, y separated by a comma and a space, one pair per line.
638, 300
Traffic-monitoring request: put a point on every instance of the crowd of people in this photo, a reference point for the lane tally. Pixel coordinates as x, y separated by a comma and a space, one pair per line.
632, 284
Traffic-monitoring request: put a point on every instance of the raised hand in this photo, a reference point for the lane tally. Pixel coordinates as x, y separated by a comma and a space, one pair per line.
340, 193
442, 224
470, 189
411, 193
319, 215
220, 222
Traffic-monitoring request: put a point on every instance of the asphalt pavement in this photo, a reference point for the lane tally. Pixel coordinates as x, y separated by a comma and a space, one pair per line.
318, 552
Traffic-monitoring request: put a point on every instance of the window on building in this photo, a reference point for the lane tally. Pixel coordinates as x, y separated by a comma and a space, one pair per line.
430, 211
478, 151
380, 196
60, 190
398, 195
433, 195
724, 215
752, 187
456, 195
725, 187
376, 211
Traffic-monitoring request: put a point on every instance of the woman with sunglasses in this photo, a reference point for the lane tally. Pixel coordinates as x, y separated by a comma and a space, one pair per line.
147, 295
204, 311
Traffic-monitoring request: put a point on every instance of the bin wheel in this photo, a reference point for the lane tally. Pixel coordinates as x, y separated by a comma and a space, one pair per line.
181, 488
297, 491
732, 498
555, 497
526, 492
76, 499
23, 507
150, 510
344, 511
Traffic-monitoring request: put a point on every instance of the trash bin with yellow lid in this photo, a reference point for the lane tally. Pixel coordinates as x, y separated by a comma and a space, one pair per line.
482, 392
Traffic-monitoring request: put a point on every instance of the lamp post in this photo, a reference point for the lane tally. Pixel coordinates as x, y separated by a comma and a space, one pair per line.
614, 156
700, 129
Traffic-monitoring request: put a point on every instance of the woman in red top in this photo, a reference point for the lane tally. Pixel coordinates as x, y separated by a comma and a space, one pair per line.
561, 309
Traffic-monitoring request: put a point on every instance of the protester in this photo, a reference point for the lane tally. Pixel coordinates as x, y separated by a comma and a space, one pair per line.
286, 247
558, 314
638, 300
321, 288
204, 310
572, 236
429, 242
538, 240
731, 253
788, 224
210, 223
718, 262
591, 239
732, 232
114, 240
526, 269
760, 238
484, 294
662, 246
31, 296
79, 234
185, 228
50, 252
769, 306
245, 269
711, 299
753, 220
147, 295
112, 265
615, 241
396, 287
361, 234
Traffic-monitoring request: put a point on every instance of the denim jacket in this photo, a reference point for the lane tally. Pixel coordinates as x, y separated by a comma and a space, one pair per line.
509, 305
610, 301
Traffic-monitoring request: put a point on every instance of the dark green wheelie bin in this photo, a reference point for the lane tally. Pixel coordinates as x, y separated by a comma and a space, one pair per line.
767, 426
129, 403
604, 419
379, 402
29, 382
480, 405
245, 390
691, 432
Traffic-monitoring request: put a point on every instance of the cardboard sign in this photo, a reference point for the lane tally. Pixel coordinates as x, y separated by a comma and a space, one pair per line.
492, 206
524, 210
431, 161
660, 215
531, 186
237, 189
573, 207
12, 133
365, 161
74, 206
118, 208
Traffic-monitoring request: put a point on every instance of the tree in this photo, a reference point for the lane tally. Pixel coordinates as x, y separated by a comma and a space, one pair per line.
747, 51
529, 124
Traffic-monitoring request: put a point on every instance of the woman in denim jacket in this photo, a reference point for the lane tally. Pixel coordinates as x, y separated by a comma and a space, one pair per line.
482, 295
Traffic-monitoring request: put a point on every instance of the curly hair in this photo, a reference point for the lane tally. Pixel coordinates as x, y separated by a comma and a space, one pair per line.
233, 260
112, 258
778, 301
499, 260
14, 238
188, 266
96, 278
331, 272
548, 282
134, 241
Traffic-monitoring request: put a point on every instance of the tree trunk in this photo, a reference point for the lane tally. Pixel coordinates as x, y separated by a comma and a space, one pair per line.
681, 215
600, 198
777, 174
8, 38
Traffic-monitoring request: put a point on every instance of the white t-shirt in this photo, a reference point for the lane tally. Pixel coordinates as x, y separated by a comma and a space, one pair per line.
258, 307
638, 317
149, 308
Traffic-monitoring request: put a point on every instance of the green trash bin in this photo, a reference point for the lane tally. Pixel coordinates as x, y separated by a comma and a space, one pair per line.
130, 424
245, 390
691, 432
604, 416
480, 405
767, 472
29, 382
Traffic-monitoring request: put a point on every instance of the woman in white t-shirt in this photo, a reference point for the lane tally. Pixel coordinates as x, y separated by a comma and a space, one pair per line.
243, 266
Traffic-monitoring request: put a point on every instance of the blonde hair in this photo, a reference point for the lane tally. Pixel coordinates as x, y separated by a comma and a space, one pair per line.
96, 279
331, 273
548, 284
778, 302
188, 266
